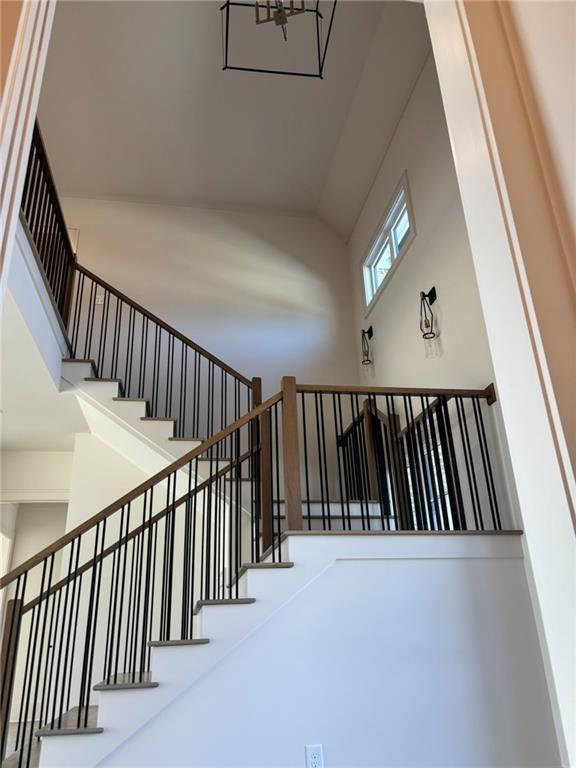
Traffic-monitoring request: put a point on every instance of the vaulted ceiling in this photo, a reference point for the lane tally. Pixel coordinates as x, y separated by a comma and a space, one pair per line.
135, 105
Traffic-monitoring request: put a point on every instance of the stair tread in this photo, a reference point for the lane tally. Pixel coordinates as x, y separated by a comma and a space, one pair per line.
175, 643
227, 601
68, 725
187, 439
264, 566
68, 731
157, 418
125, 682
261, 567
282, 564
79, 360
96, 378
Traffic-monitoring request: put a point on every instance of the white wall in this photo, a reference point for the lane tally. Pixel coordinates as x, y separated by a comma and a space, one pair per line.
547, 35
438, 256
37, 526
30, 476
268, 294
400, 661
99, 476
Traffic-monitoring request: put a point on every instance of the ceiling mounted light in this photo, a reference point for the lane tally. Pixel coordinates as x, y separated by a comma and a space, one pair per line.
310, 41
280, 14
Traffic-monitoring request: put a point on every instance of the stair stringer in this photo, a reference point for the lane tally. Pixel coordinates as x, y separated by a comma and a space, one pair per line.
122, 422
182, 670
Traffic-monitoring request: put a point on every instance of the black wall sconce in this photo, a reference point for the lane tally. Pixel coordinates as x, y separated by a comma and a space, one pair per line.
426, 315
428, 326
366, 336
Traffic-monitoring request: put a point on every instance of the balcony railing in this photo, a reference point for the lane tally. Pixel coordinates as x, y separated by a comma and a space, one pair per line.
151, 360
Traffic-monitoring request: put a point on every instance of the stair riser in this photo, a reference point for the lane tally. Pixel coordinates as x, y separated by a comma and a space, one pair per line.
179, 665
267, 584
76, 372
101, 391
69, 751
106, 396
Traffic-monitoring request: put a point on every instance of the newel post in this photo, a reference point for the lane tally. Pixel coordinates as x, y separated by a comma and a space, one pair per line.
264, 466
8, 653
291, 455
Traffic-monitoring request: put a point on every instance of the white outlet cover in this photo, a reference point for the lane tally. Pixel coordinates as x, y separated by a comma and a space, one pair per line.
314, 756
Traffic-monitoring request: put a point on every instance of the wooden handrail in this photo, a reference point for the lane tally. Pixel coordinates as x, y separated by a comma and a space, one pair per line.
366, 407
488, 393
39, 140
139, 308
138, 491
136, 531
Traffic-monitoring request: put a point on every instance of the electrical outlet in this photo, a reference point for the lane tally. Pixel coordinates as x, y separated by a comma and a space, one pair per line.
99, 299
314, 756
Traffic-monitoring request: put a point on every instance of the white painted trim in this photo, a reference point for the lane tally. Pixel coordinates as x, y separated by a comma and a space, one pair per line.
28, 496
26, 248
17, 114
545, 491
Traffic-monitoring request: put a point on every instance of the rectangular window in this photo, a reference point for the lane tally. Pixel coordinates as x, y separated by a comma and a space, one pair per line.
393, 239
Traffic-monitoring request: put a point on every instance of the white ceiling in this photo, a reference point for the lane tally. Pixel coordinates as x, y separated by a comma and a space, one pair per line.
135, 105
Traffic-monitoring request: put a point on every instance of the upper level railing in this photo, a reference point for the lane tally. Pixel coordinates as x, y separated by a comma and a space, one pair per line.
153, 361
47, 227
399, 459
87, 608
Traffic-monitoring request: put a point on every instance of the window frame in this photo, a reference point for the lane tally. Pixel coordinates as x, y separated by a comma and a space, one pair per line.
384, 232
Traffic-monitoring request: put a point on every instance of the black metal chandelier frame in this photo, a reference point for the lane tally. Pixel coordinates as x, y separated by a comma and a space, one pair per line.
321, 48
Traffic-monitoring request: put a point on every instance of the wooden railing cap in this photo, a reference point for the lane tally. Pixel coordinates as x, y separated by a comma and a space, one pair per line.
138, 491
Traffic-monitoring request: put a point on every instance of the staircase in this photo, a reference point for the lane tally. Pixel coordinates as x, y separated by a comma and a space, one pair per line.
109, 626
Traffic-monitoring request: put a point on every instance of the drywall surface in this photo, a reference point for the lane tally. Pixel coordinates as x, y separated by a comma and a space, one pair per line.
438, 256
547, 35
36, 476
268, 294
37, 526
31, 295
401, 36
99, 476
400, 661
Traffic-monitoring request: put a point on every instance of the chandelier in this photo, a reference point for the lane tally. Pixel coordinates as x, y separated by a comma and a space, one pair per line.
310, 25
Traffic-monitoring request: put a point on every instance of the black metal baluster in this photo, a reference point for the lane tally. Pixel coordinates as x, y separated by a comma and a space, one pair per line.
451, 466
72, 562
482, 437
35, 623
306, 462
123, 549
421, 468
361, 462
317, 406
432, 442
98, 567
468, 459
